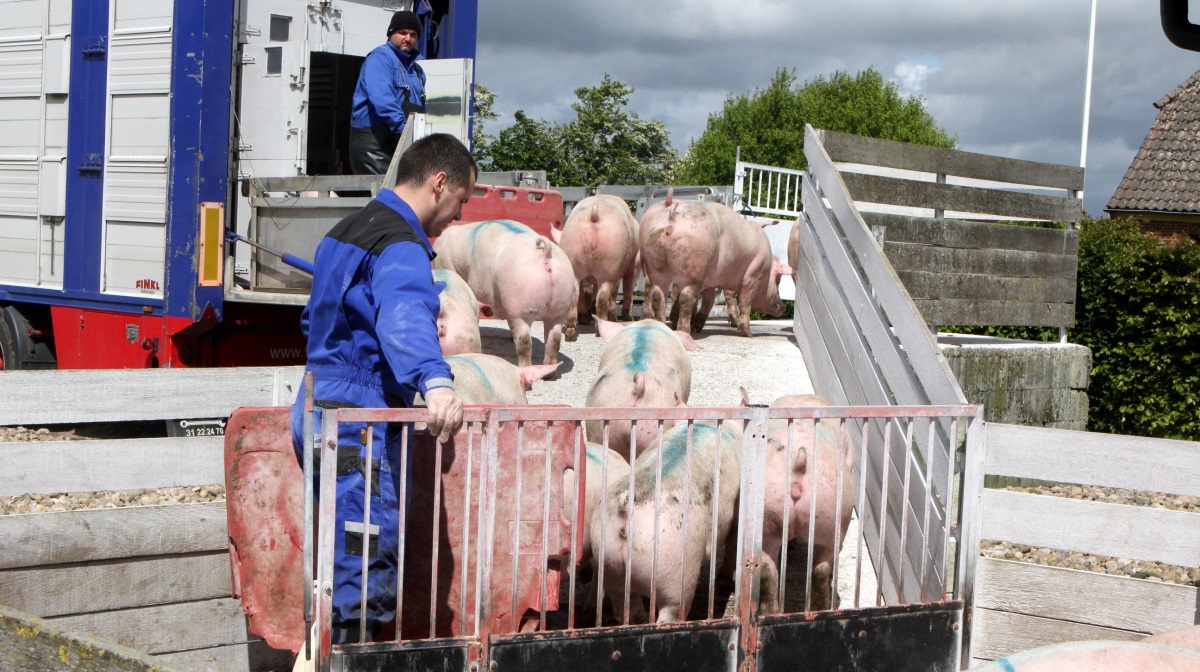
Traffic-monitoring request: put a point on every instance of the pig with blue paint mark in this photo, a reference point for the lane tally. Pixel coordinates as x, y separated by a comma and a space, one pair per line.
487, 379
524, 277
678, 511
600, 468
458, 316
644, 365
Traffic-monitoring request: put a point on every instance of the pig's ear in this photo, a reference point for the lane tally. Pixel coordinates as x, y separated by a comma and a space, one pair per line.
528, 374
608, 329
745, 396
688, 342
555, 232
485, 310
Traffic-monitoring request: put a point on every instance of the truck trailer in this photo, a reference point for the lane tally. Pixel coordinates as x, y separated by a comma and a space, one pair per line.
141, 138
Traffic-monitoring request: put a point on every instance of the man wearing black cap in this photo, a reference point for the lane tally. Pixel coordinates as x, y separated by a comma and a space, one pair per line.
391, 85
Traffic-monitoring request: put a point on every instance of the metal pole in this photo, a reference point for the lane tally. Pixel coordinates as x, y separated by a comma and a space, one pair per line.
1087, 91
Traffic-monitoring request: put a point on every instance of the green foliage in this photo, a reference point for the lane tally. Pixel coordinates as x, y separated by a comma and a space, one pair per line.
769, 124
604, 144
1138, 311
481, 142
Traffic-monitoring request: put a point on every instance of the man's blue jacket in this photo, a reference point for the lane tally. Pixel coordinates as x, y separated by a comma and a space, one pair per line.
390, 85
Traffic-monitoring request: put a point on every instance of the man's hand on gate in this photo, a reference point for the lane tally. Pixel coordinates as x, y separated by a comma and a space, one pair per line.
445, 412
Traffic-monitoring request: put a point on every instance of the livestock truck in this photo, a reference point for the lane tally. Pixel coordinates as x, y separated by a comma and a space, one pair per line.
139, 139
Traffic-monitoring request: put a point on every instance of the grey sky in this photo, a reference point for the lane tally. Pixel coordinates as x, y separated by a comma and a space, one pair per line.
1006, 77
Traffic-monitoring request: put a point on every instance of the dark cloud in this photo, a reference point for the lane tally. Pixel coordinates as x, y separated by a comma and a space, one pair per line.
1006, 78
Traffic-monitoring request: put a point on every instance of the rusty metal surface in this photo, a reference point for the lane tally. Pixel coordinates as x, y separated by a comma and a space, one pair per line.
920, 638
265, 507
486, 543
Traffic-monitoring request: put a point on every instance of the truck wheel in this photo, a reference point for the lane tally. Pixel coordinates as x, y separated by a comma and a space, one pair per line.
8, 346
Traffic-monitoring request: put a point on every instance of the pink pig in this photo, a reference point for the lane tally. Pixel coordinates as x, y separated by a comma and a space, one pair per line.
1171, 651
600, 468
600, 238
487, 379
677, 512
805, 491
703, 247
521, 275
458, 317
644, 365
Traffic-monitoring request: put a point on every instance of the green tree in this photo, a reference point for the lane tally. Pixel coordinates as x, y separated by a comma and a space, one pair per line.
603, 144
483, 112
768, 124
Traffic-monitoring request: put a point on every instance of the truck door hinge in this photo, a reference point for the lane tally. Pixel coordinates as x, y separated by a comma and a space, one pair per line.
247, 59
248, 32
244, 146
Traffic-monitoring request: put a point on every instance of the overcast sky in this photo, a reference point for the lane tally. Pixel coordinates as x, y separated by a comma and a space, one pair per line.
1007, 77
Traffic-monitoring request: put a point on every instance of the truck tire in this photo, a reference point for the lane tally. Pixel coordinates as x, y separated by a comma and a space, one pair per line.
8, 346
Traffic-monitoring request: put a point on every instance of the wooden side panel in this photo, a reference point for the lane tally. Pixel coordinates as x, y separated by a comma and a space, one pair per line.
36, 539
1109, 460
45, 467
847, 148
991, 202
1113, 530
60, 590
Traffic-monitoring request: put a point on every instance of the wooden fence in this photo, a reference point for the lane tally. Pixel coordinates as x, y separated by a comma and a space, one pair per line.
151, 578
1019, 605
975, 272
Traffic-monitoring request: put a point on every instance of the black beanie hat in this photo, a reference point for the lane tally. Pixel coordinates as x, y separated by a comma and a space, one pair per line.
402, 20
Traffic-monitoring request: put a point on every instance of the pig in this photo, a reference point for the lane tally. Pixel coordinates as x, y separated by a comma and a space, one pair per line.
703, 247
644, 365
487, 379
804, 494
599, 467
600, 238
688, 491
524, 277
458, 316
1173, 651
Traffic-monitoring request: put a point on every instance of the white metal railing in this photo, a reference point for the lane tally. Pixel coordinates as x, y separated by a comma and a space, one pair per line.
516, 531
767, 190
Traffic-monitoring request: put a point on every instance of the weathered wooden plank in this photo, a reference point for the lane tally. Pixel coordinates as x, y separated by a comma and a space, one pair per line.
31, 644
846, 148
59, 590
908, 324
1005, 263
35, 539
119, 464
1091, 458
1136, 532
997, 313
1083, 597
974, 235
938, 285
916, 194
254, 656
997, 634
70, 396
167, 628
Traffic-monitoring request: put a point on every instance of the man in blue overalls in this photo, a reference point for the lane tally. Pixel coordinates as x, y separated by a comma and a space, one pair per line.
391, 85
371, 327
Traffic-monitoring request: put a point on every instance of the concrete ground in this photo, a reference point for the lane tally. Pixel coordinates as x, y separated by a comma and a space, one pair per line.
768, 365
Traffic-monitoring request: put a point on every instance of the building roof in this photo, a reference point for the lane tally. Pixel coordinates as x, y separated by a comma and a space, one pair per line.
1165, 174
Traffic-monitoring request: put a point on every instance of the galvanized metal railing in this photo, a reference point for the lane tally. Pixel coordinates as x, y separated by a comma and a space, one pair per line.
767, 190
499, 487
